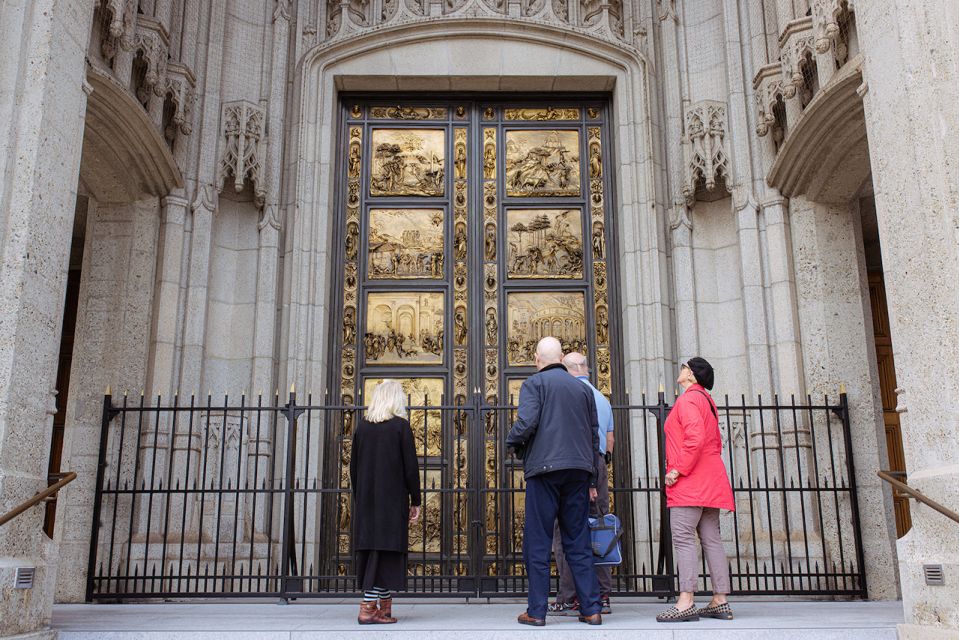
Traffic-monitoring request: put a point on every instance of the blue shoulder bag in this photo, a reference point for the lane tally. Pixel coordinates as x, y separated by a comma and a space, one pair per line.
604, 535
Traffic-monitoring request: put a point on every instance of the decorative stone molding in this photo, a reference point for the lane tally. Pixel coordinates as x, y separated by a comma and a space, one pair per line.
153, 40
796, 44
707, 158
179, 86
604, 19
768, 91
205, 200
826, 17
119, 25
243, 127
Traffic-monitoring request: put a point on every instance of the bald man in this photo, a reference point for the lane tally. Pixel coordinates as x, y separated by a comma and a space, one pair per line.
556, 433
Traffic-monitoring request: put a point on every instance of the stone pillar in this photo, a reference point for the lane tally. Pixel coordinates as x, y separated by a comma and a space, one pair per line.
838, 346
684, 281
42, 100
911, 100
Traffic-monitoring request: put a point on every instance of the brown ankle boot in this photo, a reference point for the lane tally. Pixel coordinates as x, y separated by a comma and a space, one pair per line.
386, 610
369, 614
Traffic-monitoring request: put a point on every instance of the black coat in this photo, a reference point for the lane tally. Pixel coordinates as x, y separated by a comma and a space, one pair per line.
384, 474
556, 424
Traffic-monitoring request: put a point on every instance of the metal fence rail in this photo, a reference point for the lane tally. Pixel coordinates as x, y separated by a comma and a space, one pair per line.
250, 498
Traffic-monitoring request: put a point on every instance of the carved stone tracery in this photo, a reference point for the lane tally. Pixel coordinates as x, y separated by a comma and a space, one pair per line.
707, 159
827, 15
243, 127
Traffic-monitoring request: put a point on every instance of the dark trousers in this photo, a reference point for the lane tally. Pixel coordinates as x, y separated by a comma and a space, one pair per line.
604, 573
562, 495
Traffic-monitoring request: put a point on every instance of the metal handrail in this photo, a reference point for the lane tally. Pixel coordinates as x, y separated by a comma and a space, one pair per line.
67, 478
929, 502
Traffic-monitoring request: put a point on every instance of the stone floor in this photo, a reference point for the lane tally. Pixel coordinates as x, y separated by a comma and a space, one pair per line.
432, 620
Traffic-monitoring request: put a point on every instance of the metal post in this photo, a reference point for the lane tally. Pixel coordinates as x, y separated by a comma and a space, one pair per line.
287, 553
665, 562
853, 492
105, 417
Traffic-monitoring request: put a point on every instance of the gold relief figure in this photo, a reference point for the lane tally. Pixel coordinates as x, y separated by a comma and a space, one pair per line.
602, 325
595, 162
354, 161
349, 326
599, 275
489, 161
459, 326
407, 162
459, 242
592, 112
544, 243
542, 163
405, 243
404, 327
459, 162
427, 423
352, 240
599, 242
535, 315
491, 326
548, 113
490, 242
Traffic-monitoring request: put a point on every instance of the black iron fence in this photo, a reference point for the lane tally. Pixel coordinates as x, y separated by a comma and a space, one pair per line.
240, 497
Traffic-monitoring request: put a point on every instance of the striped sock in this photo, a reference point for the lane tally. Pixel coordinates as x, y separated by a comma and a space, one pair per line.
371, 596
383, 594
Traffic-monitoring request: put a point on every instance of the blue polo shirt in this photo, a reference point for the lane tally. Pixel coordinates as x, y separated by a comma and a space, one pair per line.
604, 412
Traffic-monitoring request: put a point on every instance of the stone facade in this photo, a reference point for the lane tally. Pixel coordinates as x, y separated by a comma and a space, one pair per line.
200, 141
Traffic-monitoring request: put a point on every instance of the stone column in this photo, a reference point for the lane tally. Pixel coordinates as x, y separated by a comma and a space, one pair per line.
911, 100
838, 348
42, 104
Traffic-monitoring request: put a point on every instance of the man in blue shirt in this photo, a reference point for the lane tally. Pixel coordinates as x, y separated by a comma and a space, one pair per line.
566, 603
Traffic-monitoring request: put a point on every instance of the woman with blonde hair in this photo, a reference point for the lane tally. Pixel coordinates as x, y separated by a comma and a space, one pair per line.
384, 474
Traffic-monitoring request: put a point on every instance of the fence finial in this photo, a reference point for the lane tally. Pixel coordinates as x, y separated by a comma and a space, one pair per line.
662, 387
842, 388
109, 392
293, 388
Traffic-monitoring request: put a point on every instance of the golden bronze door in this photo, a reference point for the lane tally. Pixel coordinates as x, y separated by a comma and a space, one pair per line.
468, 230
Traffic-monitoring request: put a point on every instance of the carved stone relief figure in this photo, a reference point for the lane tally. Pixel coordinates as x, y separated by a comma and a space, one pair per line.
599, 241
491, 326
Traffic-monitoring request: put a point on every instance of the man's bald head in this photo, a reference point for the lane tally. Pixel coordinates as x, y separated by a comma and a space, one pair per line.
575, 363
548, 351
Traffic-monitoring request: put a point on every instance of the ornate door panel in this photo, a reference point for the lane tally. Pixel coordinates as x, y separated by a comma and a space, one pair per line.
469, 230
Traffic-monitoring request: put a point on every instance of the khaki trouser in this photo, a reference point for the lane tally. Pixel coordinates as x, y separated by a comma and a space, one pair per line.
567, 590
685, 523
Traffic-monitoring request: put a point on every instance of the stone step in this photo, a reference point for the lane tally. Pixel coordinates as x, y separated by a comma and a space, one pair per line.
431, 620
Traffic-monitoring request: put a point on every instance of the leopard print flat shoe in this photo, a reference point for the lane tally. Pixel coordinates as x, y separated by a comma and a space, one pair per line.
720, 612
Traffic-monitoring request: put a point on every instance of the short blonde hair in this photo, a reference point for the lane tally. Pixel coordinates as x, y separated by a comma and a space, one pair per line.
388, 400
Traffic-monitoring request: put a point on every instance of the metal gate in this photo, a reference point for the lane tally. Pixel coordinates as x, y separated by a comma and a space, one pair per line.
243, 497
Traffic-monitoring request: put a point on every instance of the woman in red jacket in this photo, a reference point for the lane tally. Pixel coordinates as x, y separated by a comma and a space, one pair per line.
697, 487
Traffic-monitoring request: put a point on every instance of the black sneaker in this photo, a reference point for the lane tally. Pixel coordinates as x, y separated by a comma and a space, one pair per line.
562, 609
604, 603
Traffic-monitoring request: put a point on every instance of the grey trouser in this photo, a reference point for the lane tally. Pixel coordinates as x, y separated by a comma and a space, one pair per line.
567, 590
685, 522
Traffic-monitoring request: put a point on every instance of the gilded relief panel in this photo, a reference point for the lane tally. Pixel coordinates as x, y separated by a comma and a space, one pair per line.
532, 315
405, 243
408, 162
544, 243
404, 327
542, 163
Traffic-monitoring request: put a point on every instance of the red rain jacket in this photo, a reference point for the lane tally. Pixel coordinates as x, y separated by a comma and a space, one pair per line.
694, 447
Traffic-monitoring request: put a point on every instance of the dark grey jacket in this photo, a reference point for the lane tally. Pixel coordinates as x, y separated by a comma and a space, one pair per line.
556, 425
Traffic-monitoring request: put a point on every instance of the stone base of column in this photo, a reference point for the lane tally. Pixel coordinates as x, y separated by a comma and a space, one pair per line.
931, 610
919, 632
